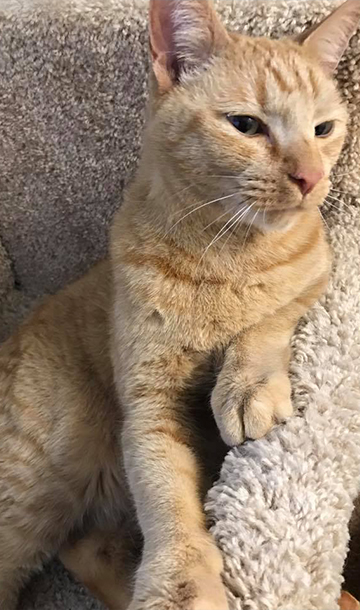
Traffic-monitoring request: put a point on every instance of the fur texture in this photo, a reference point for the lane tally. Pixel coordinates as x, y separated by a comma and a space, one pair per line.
189, 592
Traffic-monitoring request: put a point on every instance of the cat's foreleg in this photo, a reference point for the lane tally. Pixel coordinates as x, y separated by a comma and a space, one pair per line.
253, 390
181, 565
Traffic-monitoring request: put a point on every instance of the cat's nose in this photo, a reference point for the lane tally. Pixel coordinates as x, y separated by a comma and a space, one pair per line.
306, 180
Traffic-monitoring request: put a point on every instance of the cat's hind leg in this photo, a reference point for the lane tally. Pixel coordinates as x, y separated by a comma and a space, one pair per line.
10, 585
38, 507
105, 562
28, 538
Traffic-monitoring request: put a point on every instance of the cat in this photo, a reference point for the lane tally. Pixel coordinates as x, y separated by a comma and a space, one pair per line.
348, 602
110, 390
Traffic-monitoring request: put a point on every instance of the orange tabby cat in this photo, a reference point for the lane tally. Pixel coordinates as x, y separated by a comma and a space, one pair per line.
216, 253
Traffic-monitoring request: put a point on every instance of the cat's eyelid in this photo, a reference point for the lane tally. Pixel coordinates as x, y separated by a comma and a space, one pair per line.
325, 120
246, 110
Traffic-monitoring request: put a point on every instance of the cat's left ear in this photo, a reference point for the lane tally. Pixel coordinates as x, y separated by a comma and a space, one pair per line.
184, 34
328, 40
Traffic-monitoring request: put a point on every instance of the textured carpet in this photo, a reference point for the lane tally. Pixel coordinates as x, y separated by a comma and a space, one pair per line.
72, 94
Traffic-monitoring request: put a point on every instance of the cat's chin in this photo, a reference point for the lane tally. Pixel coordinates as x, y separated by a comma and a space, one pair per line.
279, 220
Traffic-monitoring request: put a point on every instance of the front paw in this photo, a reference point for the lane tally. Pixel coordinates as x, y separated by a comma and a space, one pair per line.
196, 585
242, 413
187, 594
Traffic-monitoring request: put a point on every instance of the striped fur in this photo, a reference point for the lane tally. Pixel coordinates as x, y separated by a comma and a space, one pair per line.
115, 383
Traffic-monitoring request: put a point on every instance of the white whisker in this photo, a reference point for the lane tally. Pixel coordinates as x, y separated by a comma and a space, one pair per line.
199, 207
339, 201
241, 213
249, 228
216, 220
343, 174
324, 221
342, 192
222, 215
232, 229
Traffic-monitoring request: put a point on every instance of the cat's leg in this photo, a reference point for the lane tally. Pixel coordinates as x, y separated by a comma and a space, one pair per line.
25, 540
253, 390
105, 562
11, 583
181, 566
17, 562
38, 505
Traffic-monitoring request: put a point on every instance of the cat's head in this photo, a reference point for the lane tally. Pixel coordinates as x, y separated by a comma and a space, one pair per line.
257, 123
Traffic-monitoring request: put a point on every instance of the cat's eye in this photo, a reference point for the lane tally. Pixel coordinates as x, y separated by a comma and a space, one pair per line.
247, 125
324, 129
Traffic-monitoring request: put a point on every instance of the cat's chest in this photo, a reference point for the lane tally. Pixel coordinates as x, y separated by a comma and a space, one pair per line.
208, 315
211, 313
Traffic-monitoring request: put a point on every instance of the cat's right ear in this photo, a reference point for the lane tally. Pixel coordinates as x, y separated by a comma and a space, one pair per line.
184, 34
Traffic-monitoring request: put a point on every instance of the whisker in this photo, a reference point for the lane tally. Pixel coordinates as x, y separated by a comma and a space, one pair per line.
332, 205
216, 220
199, 207
232, 230
343, 174
249, 228
339, 201
223, 231
342, 192
192, 205
222, 215
324, 221
183, 190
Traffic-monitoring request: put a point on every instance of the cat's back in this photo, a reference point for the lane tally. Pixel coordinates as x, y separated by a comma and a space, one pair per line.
55, 371
59, 416
70, 327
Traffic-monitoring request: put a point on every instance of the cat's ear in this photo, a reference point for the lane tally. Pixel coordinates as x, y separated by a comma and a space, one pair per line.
183, 34
328, 40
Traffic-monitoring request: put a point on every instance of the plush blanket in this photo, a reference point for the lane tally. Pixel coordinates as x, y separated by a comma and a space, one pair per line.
72, 95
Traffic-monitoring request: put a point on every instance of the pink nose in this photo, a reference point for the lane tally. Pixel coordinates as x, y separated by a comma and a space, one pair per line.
307, 179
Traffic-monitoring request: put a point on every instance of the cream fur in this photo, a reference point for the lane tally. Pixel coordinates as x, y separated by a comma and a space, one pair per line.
202, 339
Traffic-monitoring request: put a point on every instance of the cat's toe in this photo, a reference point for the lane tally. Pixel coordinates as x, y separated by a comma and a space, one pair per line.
270, 404
258, 418
228, 416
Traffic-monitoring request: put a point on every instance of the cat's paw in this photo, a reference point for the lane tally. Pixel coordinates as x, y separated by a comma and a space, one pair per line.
252, 413
197, 586
187, 594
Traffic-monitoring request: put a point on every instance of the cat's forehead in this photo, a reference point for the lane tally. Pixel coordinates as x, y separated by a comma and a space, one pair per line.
276, 75
280, 63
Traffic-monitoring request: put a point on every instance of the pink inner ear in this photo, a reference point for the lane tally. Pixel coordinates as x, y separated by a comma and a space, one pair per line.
162, 44
161, 28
